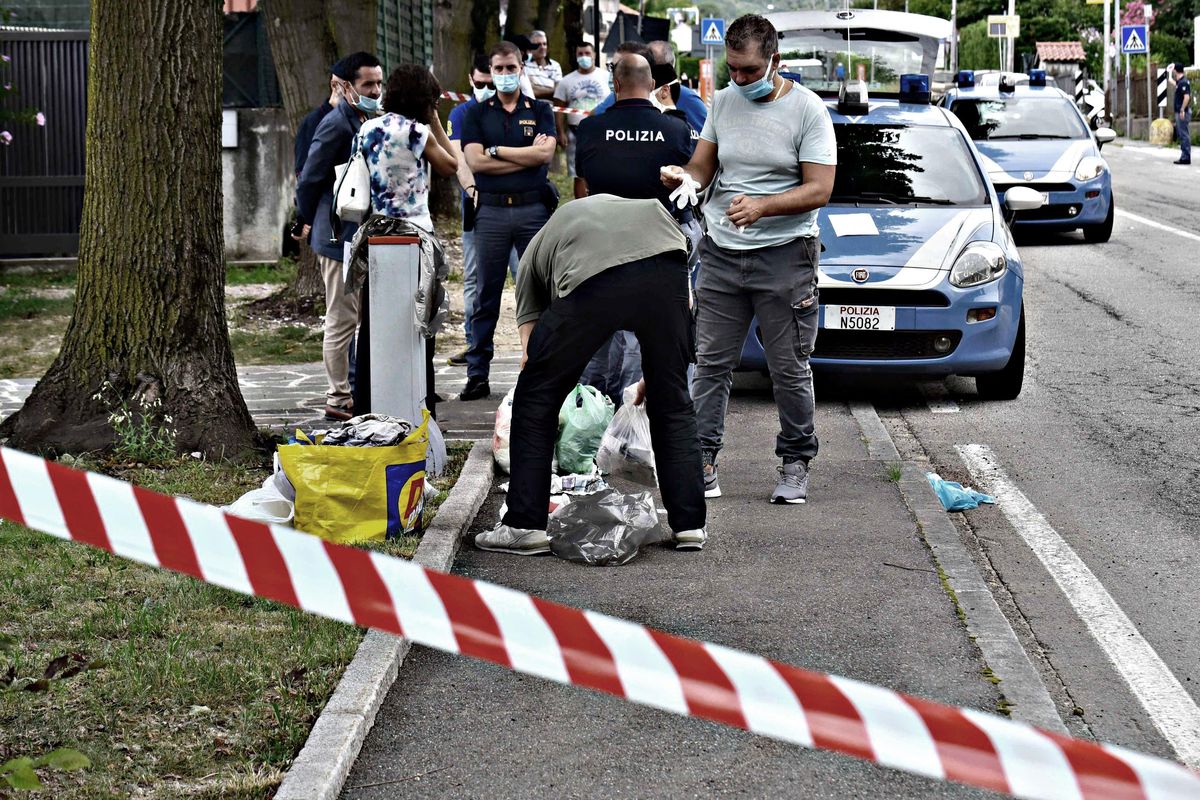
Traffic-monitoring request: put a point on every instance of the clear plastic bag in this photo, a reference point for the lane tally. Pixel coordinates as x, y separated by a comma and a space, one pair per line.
604, 529
274, 503
503, 433
582, 420
625, 449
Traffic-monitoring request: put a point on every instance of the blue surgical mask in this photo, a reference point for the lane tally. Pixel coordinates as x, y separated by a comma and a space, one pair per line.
367, 105
507, 83
585, 62
611, 87
484, 94
760, 88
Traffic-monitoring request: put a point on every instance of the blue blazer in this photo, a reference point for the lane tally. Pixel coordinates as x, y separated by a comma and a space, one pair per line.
314, 188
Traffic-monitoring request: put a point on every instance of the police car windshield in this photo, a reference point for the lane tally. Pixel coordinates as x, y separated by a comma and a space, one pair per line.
914, 165
822, 59
1019, 118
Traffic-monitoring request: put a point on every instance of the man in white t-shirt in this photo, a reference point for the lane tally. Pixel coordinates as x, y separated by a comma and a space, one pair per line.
774, 143
543, 71
582, 90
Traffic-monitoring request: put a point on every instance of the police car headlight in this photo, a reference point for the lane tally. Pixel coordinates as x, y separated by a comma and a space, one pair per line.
979, 262
1090, 167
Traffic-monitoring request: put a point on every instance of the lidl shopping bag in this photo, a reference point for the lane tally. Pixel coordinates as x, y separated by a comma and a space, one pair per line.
358, 494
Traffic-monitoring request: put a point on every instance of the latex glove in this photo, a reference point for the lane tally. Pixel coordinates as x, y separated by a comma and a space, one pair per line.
686, 193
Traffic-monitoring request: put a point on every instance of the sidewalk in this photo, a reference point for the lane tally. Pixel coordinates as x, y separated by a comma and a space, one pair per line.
843, 584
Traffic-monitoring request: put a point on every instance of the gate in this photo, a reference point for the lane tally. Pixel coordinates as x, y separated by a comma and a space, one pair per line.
41, 172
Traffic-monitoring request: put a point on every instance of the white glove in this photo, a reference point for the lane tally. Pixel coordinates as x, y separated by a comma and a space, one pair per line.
686, 193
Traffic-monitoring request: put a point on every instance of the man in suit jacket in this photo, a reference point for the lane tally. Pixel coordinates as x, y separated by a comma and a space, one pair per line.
359, 79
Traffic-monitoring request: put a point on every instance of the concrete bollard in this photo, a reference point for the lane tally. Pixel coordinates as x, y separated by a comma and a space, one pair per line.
1160, 131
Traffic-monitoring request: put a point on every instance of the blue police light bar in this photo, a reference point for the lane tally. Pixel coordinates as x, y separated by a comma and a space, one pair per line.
1037, 77
914, 89
965, 79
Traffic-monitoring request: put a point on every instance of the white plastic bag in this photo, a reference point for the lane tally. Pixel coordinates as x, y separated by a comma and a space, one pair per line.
269, 503
625, 449
503, 433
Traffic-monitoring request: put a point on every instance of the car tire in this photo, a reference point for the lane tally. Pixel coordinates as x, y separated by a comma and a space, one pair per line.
1098, 234
1005, 383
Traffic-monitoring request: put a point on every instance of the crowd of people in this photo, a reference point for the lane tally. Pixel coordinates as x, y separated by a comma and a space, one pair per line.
688, 221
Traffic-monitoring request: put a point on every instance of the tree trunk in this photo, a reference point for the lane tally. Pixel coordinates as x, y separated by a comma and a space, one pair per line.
306, 37
149, 311
567, 29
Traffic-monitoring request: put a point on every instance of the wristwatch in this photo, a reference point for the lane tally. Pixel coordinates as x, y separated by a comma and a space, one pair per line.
493, 151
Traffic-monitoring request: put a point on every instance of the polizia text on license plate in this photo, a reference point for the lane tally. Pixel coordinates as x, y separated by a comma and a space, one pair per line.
860, 318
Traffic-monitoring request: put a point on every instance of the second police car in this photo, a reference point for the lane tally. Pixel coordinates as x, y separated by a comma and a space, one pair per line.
1032, 134
919, 273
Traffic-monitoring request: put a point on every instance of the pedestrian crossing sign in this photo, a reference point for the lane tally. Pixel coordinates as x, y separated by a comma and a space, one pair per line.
712, 31
1134, 39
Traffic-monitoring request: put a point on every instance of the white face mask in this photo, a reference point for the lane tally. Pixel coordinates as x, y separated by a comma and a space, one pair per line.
484, 94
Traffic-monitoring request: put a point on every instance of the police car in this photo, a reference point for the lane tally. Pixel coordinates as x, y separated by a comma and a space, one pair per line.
919, 274
1031, 134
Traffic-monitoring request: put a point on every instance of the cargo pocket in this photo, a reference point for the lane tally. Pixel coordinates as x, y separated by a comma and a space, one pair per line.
806, 314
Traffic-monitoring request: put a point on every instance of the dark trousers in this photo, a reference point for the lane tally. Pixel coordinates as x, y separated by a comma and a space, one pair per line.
650, 298
497, 231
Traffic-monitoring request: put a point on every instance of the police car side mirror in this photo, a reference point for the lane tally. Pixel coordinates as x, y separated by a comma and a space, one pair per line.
1104, 136
1022, 198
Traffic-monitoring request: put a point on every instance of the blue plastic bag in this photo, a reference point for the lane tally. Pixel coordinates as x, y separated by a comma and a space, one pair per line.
955, 496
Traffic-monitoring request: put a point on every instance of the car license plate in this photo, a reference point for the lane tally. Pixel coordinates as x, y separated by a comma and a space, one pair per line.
860, 318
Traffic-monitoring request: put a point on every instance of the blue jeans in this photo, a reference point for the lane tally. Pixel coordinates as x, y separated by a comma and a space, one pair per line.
617, 364
497, 231
471, 279
1185, 138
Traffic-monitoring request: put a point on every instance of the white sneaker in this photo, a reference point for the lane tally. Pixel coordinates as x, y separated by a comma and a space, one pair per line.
691, 540
518, 541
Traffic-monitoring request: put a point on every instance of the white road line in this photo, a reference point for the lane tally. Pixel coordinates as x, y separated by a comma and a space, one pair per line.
1160, 693
1159, 225
937, 397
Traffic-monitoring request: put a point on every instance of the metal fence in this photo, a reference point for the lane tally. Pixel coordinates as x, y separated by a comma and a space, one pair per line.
41, 172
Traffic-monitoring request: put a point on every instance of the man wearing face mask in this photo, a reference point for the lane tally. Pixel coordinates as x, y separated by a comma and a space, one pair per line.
508, 142
359, 80
674, 93
482, 90
774, 144
581, 90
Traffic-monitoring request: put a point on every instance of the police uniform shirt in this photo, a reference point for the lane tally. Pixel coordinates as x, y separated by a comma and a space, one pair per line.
489, 125
621, 151
1182, 86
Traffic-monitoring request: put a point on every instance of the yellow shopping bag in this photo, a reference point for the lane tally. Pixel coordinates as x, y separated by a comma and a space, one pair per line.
357, 494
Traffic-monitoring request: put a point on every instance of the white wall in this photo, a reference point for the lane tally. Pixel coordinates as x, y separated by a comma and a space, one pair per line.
257, 182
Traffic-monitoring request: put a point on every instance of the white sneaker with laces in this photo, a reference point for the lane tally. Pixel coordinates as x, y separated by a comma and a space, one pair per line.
691, 540
518, 541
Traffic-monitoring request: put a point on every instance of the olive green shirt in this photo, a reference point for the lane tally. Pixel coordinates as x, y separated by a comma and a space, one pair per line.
584, 238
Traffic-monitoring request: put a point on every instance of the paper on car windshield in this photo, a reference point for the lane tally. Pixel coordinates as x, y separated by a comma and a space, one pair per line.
853, 225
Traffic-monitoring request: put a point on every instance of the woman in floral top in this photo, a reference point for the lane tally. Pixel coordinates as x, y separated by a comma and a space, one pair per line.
400, 144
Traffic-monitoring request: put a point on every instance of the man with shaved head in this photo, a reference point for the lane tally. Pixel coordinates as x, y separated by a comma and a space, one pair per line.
620, 153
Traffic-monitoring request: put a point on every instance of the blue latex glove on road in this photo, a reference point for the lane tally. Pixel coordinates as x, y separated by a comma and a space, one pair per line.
955, 496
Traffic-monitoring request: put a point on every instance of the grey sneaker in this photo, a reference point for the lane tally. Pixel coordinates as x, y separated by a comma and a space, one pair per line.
711, 487
793, 483
518, 541
691, 540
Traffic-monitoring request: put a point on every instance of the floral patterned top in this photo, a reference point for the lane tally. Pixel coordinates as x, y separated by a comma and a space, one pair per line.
393, 146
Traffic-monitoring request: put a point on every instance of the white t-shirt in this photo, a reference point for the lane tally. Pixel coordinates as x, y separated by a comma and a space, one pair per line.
582, 92
760, 147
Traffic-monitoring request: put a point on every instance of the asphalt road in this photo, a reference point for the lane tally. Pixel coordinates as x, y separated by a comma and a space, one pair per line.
1098, 460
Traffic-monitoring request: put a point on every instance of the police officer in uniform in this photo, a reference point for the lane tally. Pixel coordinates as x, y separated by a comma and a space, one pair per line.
508, 142
620, 152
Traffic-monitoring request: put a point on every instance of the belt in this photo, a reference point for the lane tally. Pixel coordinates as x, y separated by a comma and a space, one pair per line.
514, 199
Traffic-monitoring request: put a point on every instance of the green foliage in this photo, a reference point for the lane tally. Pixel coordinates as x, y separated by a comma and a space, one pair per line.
975, 49
9, 114
144, 433
19, 773
282, 271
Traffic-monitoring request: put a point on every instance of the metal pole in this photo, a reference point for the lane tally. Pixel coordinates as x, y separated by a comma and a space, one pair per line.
954, 36
1107, 41
1128, 104
1010, 41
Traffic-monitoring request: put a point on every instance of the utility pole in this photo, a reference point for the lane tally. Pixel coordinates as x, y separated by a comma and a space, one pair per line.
1008, 56
1107, 44
954, 36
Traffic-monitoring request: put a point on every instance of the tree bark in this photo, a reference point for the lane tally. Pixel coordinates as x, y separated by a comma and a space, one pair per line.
149, 312
306, 37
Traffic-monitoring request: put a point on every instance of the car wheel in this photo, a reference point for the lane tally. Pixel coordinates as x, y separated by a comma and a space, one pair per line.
1005, 383
1103, 232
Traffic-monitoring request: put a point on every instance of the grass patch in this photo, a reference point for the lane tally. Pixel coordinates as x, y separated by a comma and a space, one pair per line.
20, 305
894, 473
285, 344
38, 279
173, 687
282, 271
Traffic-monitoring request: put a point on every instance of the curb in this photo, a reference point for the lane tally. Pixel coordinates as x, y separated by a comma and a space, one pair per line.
986, 623
320, 770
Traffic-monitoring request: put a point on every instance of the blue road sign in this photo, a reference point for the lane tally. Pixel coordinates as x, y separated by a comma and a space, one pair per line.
712, 31
1134, 39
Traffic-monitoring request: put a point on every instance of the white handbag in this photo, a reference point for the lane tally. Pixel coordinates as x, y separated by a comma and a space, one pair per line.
352, 189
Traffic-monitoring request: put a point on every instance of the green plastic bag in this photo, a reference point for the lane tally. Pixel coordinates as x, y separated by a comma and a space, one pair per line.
582, 420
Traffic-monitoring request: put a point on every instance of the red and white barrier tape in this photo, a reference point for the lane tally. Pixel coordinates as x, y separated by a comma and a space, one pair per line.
570, 646
459, 97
